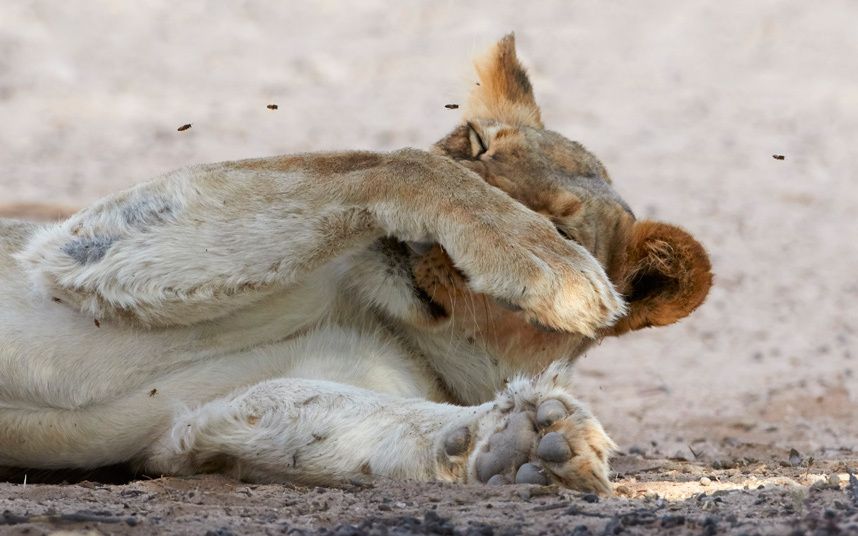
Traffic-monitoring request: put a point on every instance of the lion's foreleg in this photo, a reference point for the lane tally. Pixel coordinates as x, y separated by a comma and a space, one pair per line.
200, 243
193, 246
307, 431
318, 432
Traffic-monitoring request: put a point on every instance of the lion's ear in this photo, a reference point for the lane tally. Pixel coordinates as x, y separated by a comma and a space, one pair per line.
504, 93
666, 275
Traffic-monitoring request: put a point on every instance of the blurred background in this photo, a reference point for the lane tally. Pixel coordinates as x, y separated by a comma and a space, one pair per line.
685, 103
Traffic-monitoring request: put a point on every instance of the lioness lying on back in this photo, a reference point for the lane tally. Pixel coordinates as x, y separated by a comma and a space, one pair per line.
318, 317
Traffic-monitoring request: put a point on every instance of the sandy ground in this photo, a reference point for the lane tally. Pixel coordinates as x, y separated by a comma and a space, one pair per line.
685, 102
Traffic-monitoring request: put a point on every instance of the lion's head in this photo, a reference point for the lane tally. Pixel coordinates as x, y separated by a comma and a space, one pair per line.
662, 271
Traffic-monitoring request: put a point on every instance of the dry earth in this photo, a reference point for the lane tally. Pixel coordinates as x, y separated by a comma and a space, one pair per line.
686, 102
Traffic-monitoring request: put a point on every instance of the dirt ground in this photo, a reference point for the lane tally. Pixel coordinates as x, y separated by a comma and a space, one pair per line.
741, 419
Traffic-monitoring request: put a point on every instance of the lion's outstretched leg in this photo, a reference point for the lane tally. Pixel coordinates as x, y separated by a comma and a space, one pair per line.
307, 431
321, 432
202, 242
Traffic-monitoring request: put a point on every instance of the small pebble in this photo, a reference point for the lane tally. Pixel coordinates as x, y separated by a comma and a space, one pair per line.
705, 481
623, 491
795, 457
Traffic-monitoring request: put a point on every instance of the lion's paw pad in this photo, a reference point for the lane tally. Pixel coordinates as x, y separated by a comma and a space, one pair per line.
551, 443
553, 447
457, 441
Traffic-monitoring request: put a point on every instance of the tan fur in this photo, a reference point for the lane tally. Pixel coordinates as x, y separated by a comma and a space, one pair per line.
483, 321
503, 92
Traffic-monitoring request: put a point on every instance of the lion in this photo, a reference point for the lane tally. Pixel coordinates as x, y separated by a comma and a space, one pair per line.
319, 318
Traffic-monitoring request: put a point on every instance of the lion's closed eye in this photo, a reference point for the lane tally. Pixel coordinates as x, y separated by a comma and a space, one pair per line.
478, 144
566, 234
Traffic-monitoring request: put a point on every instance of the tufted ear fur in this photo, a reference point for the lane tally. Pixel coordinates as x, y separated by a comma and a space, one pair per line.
666, 275
504, 93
